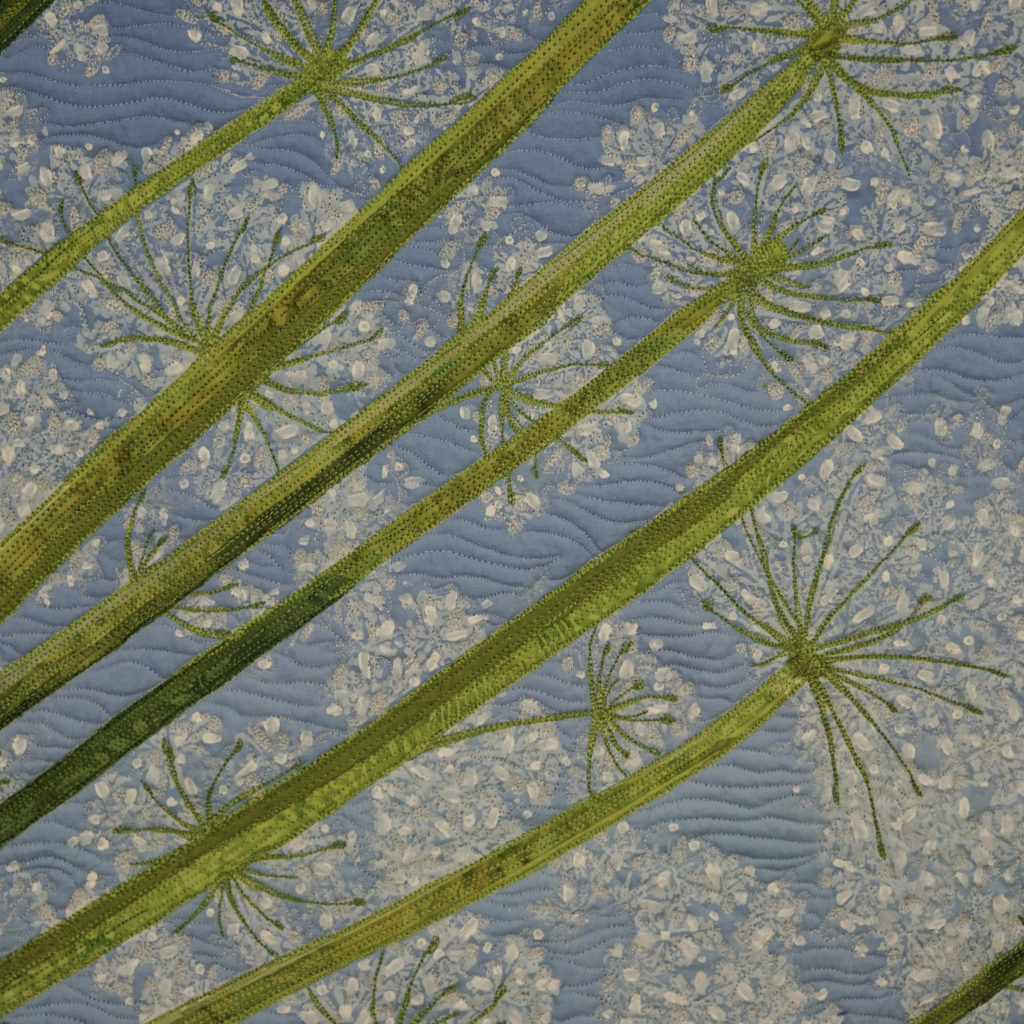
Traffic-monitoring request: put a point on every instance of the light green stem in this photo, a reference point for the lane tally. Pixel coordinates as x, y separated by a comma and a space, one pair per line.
987, 983
245, 995
15, 17
377, 425
520, 645
233, 366
218, 665
62, 258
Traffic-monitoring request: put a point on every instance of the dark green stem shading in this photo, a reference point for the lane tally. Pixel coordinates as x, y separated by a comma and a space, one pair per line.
123, 463
425, 390
16, 16
217, 666
993, 978
524, 643
510, 863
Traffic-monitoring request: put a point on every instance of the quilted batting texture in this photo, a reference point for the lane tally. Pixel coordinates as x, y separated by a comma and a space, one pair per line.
511, 513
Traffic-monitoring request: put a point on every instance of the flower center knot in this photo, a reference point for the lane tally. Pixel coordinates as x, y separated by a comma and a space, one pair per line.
824, 43
762, 262
805, 662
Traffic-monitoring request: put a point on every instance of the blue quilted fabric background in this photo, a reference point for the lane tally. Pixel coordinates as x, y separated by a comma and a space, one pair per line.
745, 894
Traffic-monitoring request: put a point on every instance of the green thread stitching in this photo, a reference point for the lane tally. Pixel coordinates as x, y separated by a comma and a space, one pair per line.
240, 888
800, 634
826, 41
406, 1005
523, 643
301, 306
759, 270
331, 64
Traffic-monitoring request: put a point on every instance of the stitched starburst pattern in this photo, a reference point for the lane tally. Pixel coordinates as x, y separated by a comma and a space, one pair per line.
842, 668
362, 70
184, 305
764, 267
519, 385
419, 1004
622, 710
839, 43
246, 896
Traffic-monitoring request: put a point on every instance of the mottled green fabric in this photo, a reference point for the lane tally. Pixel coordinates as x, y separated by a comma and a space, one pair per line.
511, 513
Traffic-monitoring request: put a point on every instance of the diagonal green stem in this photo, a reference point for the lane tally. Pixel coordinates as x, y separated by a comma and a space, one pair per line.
122, 463
506, 865
16, 16
218, 665
62, 258
995, 976
419, 394
413, 724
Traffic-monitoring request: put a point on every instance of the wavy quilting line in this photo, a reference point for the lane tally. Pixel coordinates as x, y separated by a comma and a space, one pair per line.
514, 516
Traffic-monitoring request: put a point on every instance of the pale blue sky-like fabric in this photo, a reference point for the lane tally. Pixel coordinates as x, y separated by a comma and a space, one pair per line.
745, 895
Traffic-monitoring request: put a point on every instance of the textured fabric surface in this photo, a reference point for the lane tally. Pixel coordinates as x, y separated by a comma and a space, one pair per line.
857, 857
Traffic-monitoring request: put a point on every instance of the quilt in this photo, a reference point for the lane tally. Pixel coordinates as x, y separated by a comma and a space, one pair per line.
511, 512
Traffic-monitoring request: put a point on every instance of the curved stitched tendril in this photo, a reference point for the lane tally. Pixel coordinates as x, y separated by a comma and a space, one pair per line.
245, 892
838, 44
508, 382
840, 668
764, 268
179, 614
429, 1007
298, 48
615, 709
144, 287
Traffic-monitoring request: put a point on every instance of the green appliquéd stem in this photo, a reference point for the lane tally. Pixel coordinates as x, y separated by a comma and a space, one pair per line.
295, 49
508, 381
16, 16
409, 1010
804, 634
413, 724
31, 678
996, 976
240, 893
124, 462
315, 77
263, 986
837, 43
150, 550
612, 711
417, 395
198, 324
764, 270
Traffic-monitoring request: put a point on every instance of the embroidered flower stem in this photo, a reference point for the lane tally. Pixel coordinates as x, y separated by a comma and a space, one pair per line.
61, 259
101, 630
420, 393
124, 462
993, 978
520, 645
613, 712
840, 44
245, 995
844, 666
433, 1000
16, 16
